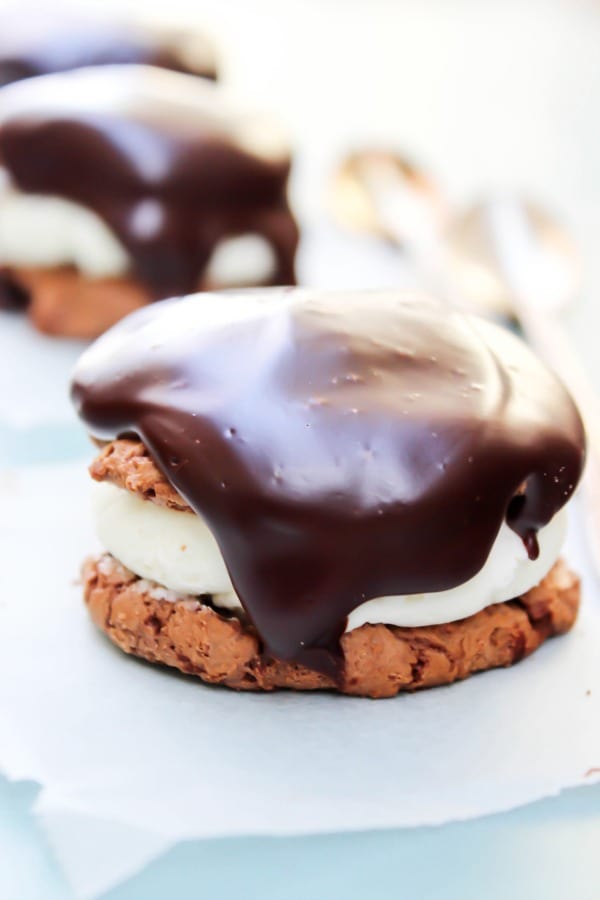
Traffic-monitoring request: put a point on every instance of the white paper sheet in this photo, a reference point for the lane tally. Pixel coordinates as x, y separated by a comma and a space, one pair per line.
133, 758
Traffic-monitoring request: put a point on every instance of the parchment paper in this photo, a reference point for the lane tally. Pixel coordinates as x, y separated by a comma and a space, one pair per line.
133, 758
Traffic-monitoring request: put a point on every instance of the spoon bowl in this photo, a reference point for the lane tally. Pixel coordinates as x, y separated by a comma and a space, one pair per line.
379, 192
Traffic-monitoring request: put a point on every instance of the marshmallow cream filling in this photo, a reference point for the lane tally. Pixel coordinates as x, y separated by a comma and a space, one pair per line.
177, 550
49, 232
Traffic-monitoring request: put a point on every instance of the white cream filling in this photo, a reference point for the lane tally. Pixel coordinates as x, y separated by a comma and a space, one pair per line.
48, 232
178, 551
245, 260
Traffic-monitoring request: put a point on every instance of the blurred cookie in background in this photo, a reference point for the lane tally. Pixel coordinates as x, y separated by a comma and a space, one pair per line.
121, 185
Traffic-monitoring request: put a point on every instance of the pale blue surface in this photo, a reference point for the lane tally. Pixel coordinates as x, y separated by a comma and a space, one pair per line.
46, 444
547, 851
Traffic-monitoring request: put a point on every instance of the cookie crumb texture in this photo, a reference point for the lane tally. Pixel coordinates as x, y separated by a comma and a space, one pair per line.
380, 660
128, 465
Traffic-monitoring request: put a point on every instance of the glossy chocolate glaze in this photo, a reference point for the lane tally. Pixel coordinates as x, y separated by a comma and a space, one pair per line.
159, 157
341, 447
35, 41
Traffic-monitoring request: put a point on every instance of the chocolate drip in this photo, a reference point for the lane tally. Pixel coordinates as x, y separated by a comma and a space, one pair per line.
341, 447
34, 42
170, 182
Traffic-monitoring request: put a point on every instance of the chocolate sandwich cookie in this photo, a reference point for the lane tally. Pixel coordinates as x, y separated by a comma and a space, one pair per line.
36, 41
121, 185
355, 491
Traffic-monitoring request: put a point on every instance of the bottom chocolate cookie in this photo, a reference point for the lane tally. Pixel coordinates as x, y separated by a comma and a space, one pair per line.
189, 634
65, 303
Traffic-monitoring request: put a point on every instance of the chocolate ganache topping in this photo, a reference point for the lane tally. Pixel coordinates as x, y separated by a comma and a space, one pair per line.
161, 157
37, 41
340, 446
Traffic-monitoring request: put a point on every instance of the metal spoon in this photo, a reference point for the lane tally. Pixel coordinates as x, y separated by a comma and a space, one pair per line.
503, 255
505, 239
384, 194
